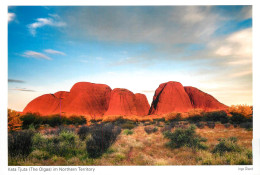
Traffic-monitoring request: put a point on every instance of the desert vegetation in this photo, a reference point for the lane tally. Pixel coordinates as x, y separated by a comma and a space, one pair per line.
194, 138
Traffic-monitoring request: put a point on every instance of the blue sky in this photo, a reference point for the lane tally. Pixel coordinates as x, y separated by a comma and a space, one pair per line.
138, 48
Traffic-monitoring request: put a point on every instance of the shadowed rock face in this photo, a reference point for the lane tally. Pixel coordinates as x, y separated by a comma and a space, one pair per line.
170, 97
203, 100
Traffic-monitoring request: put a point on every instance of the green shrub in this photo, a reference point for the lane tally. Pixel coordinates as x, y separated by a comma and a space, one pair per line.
227, 145
195, 118
76, 120
63, 145
30, 119
211, 125
237, 118
150, 130
102, 136
40, 155
128, 126
247, 125
185, 137
35, 120
83, 132
227, 125
200, 125
128, 132
216, 116
20, 143
55, 120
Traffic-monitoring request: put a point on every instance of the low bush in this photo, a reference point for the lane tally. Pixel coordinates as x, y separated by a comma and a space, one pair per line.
245, 110
200, 125
227, 145
128, 125
31, 119
14, 121
64, 144
128, 132
247, 125
102, 136
76, 120
181, 124
40, 155
211, 125
35, 120
195, 119
185, 137
227, 125
20, 143
237, 118
150, 130
83, 132
216, 116
166, 128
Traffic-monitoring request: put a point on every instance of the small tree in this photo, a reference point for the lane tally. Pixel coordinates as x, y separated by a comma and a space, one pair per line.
185, 137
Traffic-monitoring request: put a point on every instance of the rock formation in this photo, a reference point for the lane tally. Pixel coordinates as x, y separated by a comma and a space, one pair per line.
125, 102
173, 97
203, 100
170, 97
90, 99
87, 99
142, 105
45, 105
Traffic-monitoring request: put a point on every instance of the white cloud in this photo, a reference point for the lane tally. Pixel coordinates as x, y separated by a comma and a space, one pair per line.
41, 22
11, 17
37, 55
238, 44
51, 51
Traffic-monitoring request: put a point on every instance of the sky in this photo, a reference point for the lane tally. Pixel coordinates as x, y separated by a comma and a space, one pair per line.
137, 47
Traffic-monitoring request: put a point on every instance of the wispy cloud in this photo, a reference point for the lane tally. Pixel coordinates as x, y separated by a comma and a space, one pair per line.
241, 74
11, 17
51, 51
23, 89
38, 55
53, 20
15, 81
238, 44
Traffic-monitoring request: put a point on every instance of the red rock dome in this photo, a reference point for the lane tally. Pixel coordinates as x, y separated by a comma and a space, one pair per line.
45, 105
142, 105
170, 97
87, 99
203, 100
